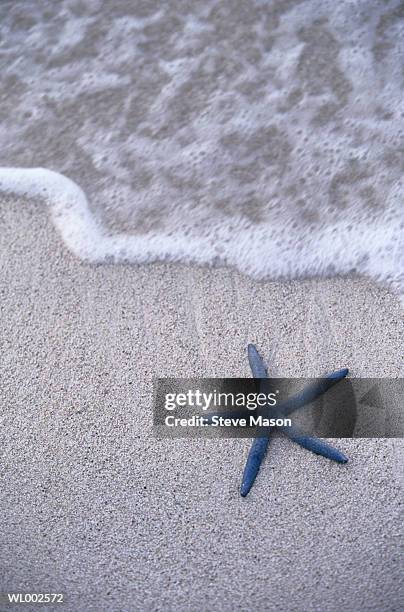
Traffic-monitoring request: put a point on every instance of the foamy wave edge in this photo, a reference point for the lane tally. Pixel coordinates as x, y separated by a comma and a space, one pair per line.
342, 248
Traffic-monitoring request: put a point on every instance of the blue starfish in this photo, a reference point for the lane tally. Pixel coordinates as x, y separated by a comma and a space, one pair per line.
310, 393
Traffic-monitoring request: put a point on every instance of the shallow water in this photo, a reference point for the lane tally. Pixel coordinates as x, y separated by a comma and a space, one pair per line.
265, 135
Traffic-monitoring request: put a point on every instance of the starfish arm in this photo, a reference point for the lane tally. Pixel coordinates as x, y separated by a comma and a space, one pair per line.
259, 446
257, 364
252, 466
307, 395
311, 392
316, 445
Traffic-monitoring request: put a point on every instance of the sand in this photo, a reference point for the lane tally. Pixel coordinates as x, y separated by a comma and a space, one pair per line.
94, 506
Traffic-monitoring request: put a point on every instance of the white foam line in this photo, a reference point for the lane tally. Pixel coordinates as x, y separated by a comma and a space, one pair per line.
375, 250
80, 231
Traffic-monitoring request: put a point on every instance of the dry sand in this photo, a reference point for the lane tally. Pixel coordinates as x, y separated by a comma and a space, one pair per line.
94, 506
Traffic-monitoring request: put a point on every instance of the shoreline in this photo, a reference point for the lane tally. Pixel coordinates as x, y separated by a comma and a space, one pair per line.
91, 498
91, 241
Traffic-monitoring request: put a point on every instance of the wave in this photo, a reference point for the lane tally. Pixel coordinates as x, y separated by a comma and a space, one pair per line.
267, 136
372, 249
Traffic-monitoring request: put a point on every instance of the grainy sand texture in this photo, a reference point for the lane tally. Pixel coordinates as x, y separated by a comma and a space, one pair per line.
94, 506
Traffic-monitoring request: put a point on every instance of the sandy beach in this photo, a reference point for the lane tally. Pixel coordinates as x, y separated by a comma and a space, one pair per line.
94, 506
162, 166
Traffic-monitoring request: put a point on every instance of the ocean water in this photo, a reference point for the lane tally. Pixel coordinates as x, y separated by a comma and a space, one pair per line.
263, 135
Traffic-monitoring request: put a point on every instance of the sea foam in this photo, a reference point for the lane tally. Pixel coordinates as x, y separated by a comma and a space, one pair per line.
374, 250
263, 135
